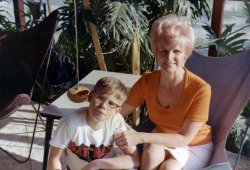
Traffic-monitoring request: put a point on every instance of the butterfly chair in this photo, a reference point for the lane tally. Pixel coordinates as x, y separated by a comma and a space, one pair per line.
229, 78
21, 57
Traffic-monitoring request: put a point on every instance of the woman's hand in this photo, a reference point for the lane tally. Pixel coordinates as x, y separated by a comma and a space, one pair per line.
128, 138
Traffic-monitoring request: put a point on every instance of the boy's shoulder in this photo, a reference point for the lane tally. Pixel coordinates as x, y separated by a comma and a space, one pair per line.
77, 116
117, 121
117, 117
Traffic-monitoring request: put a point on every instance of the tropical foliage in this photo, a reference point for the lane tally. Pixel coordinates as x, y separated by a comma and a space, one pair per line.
247, 10
119, 23
5, 21
230, 42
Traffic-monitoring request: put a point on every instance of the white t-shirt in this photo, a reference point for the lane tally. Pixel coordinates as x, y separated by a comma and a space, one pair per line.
81, 142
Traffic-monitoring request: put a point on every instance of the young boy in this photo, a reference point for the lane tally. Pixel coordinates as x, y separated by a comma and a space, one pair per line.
86, 136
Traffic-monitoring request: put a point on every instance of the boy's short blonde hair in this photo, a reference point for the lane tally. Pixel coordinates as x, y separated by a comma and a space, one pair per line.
173, 30
111, 85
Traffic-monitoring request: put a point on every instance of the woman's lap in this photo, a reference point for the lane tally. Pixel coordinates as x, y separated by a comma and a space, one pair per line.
194, 157
190, 158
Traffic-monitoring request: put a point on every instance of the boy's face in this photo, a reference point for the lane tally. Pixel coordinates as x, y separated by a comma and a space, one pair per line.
103, 106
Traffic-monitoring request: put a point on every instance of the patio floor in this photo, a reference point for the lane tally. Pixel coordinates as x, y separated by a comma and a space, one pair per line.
15, 137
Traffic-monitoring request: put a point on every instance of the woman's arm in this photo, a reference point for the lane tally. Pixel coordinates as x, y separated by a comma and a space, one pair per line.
54, 156
187, 133
133, 152
127, 110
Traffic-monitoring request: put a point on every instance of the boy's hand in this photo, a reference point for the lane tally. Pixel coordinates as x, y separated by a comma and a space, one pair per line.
124, 139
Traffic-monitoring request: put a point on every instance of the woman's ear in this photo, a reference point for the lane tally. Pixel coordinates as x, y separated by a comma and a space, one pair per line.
90, 96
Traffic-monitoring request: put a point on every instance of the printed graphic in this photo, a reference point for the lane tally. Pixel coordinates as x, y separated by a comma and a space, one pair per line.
89, 153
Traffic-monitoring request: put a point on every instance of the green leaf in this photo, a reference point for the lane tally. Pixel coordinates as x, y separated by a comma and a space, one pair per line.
234, 37
227, 30
229, 42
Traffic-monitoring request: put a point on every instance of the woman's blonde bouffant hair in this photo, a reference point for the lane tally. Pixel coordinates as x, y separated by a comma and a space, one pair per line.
175, 30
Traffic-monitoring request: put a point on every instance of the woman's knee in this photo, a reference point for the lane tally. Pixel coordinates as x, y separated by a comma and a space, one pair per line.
153, 147
170, 164
152, 156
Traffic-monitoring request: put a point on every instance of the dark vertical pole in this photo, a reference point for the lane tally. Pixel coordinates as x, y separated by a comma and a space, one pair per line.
216, 23
48, 133
18, 12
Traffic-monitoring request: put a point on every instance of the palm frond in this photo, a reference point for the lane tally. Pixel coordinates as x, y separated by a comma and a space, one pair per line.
121, 22
200, 7
192, 8
229, 42
247, 10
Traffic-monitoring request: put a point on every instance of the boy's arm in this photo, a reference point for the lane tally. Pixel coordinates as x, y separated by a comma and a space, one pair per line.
54, 158
126, 161
133, 152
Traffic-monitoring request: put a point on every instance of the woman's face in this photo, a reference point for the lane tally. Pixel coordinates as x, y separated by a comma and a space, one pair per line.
171, 58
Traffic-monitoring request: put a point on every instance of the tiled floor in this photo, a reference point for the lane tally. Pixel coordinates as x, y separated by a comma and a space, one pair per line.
16, 133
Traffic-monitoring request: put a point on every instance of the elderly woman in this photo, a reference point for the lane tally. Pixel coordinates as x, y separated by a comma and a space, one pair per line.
177, 102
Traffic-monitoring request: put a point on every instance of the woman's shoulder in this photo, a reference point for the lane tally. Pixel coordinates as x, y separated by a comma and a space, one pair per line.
117, 118
149, 76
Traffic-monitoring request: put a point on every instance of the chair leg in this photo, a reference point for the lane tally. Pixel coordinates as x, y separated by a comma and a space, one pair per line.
31, 145
38, 112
